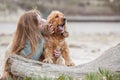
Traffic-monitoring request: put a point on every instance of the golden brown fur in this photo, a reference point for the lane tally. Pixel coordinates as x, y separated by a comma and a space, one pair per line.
57, 39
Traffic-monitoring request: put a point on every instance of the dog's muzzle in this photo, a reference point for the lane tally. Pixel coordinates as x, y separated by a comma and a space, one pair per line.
62, 31
61, 28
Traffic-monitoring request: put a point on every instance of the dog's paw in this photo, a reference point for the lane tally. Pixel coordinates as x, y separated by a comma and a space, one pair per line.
48, 60
70, 63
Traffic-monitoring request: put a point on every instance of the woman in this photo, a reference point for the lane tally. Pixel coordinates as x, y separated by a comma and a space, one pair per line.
28, 40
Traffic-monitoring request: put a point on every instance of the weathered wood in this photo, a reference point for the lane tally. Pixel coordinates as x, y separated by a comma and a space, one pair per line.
20, 66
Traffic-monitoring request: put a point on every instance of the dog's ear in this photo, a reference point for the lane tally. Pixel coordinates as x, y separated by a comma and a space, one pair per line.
49, 21
65, 34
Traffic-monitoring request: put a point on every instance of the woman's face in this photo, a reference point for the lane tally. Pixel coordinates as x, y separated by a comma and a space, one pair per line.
40, 25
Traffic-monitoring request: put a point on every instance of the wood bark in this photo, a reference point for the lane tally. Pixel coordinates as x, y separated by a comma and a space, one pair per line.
22, 67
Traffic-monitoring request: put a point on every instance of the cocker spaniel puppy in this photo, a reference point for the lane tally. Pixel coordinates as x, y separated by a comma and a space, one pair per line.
56, 49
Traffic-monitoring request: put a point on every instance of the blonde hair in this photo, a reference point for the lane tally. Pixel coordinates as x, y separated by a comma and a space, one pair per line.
27, 29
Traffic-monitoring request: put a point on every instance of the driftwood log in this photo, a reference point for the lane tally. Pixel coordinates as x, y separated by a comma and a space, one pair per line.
22, 67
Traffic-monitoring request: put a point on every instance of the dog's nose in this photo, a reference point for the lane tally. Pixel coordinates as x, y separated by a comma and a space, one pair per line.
64, 19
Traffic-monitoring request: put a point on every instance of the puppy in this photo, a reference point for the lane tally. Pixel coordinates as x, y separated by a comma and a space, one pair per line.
56, 41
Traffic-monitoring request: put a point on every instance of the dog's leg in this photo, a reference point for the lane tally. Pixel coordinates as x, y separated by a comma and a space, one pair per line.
59, 61
48, 55
66, 56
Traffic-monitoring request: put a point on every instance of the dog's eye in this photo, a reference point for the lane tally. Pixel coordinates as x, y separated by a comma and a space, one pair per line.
56, 16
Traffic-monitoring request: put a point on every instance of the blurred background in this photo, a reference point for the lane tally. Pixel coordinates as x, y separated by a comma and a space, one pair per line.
94, 25
10, 8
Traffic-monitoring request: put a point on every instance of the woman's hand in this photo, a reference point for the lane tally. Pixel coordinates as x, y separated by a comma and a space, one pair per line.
57, 52
50, 29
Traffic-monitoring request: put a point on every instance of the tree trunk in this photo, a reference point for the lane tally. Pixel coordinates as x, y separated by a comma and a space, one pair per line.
22, 67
